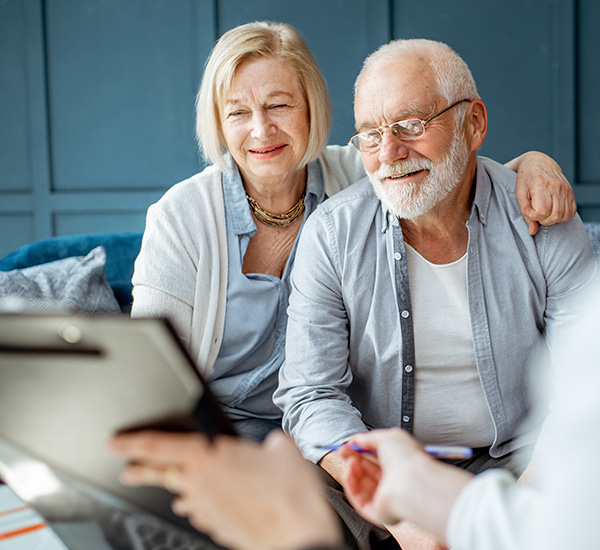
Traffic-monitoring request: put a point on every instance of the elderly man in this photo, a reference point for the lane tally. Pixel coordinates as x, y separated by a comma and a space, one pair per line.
418, 294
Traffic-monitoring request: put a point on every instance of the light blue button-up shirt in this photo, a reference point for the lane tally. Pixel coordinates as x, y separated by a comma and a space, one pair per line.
244, 375
350, 351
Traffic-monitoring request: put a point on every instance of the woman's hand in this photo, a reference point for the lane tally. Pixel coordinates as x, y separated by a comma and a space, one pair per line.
244, 495
544, 195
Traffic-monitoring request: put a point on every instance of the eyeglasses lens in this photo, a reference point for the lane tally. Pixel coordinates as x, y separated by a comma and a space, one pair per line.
405, 129
408, 129
367, 141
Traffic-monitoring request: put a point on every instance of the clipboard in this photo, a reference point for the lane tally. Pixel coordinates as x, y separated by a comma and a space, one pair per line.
68, 383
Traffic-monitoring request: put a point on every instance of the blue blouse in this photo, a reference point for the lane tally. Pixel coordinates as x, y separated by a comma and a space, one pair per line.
244, 375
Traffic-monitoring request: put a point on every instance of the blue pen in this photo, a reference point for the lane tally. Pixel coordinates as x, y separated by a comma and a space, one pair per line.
450, 452
353, 446
453, 452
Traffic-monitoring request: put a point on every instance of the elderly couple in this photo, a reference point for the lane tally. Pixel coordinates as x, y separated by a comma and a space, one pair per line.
417, 296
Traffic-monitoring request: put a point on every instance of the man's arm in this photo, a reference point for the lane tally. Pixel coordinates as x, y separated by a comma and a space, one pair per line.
315, 375
569, 268
335, 465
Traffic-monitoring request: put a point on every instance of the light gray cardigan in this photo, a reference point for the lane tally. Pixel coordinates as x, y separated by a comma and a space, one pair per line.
181, 271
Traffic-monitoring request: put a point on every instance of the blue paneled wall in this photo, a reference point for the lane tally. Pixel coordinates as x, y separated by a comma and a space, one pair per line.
97, 96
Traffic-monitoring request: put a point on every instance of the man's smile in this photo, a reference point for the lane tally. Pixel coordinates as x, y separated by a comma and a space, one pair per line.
401, 176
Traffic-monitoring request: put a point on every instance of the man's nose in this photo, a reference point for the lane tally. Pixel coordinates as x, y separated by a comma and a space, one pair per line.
262, 125
392, 148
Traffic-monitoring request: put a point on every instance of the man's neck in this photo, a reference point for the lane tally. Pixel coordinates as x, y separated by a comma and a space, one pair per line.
441, 235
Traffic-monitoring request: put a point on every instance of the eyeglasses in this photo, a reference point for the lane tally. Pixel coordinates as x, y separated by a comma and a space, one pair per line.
369, 141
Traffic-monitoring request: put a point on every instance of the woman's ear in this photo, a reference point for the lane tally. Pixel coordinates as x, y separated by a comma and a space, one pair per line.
476, 124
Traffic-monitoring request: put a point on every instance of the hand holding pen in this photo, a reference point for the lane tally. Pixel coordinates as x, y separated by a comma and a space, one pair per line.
405, 482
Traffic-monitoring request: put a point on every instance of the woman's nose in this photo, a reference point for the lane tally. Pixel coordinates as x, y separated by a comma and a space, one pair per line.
262, 126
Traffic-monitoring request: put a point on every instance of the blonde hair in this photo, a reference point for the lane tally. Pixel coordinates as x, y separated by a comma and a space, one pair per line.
453, 77
254, 41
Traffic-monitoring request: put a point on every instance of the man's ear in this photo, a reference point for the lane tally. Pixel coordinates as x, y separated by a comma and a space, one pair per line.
476, 124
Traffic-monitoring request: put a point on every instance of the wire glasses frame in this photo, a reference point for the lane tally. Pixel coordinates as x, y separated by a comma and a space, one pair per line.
369, 141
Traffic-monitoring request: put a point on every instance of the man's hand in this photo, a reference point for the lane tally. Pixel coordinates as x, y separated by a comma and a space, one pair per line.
244, 495
403, 485
544, 195
363, 481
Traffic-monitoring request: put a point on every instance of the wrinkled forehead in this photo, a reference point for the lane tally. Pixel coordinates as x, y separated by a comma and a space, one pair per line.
259, 70
394, 89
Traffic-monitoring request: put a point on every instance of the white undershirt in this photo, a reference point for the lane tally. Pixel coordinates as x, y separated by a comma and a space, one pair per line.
450, 407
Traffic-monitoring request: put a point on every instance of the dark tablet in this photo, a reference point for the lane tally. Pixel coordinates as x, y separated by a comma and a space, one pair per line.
67, 384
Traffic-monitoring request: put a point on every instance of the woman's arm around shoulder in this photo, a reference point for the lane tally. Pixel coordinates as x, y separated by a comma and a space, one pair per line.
544, 194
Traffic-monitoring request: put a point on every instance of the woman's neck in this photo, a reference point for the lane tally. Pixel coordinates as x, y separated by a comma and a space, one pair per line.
276, 196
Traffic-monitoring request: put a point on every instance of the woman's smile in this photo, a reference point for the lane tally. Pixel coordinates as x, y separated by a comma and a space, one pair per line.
268, 152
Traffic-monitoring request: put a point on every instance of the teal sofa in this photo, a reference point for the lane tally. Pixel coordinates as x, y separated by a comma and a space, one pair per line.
122, 250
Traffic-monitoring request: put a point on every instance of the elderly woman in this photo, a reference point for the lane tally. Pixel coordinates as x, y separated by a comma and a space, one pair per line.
219, 247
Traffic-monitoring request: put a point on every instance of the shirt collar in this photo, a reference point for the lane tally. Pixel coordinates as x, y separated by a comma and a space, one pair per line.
315, 187
483, 193
236, 203
388, 220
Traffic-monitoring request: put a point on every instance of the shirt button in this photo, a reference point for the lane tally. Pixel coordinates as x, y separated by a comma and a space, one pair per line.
405, 314
408, 368
406, 418
397, 256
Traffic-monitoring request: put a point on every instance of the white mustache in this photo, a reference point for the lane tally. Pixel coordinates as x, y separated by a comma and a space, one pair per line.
402, 168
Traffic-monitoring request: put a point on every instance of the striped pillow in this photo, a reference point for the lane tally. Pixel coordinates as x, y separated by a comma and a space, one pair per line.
74, 284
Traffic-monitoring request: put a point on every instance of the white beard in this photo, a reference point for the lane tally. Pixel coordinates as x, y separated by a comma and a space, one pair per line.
408, 200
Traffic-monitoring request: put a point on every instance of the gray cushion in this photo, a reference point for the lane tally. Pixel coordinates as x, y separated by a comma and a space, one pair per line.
75, 284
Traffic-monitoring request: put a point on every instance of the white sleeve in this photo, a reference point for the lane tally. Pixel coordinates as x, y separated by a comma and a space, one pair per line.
491, 512
569, 475
184, 256
149, 302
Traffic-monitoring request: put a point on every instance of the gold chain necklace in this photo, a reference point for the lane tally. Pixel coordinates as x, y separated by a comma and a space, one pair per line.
277, 220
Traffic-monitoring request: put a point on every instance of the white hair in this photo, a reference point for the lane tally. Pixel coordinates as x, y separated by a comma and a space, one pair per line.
452, 75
